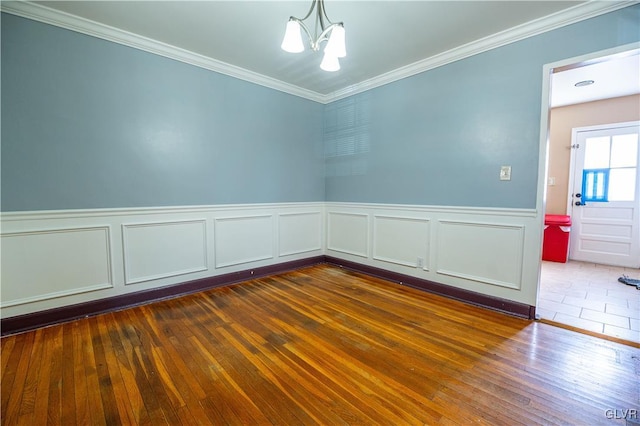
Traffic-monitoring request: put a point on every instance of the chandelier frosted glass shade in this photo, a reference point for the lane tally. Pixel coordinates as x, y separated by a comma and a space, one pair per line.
330, 63
336, 45
292, 41
324, 30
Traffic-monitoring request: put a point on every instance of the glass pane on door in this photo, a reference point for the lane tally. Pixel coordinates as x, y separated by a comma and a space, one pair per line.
596, 154
624, 150
622, 184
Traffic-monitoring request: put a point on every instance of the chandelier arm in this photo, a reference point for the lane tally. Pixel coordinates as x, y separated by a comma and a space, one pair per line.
321, 17
306, 31
313, 6
322, 13
322, 24
323, 35
315, 43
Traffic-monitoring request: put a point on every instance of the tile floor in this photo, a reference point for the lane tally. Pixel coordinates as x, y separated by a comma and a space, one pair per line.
588, 296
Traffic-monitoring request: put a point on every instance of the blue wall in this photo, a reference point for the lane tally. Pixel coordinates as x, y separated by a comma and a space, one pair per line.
440, 137
91, 124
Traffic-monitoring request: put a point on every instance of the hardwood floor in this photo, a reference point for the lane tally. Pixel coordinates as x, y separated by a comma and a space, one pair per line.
320, 345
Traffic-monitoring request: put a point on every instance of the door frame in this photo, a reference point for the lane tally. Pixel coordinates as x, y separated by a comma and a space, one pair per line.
545, 111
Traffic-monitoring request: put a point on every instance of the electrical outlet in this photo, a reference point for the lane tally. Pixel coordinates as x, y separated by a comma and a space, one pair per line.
505, 173
420, 263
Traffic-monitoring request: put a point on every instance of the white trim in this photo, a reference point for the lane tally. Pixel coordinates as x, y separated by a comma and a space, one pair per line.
55, 295
242, 217
216, 230
374, 245
78, 290
114, 212
61, 19
243, 261
56, 230
493, 211
126, 251
560, 19
484, 280
606, 126
548, 23
519, 261
110, 212
486, 229
200, 220
260, 247
364, 216
300, 251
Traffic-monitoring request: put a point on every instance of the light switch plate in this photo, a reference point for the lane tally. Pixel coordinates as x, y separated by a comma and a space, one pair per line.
505, 173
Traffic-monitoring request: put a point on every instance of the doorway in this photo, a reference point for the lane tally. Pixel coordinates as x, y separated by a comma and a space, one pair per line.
568, 292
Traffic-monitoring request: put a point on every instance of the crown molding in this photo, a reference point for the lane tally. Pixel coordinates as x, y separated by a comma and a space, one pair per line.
65, 20
575, 14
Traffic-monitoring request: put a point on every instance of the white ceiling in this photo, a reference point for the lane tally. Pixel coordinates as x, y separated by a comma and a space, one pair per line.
613, 77
384, 38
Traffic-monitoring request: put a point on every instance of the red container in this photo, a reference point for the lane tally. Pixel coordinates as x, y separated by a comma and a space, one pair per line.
555, 246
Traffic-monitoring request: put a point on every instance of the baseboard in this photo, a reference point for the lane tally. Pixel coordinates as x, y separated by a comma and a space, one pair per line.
21, 323
477, 299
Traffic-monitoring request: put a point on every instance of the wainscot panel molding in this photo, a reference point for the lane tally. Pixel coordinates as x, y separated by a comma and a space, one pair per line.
299, 232
53, 263
29, 321
243, 239
397, 239
62, 264
484, 252
53, 259
154, 250
470, 297
489, 251
348, 233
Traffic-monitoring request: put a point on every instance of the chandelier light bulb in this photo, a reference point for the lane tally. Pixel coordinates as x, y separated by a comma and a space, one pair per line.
292, 41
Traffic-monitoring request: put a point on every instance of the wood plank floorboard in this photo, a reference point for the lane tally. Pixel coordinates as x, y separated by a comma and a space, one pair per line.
320, 345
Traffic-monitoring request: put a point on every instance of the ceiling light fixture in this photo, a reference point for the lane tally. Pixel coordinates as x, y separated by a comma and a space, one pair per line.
324, 30
584, 83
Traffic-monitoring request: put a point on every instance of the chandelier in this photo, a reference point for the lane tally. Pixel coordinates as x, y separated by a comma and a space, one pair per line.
324, 30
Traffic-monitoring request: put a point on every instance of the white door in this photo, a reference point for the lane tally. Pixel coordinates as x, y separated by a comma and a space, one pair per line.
605, 197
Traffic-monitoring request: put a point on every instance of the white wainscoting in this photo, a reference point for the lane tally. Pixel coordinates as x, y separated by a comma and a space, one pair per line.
163, 249
348, 233
300, 233
401, 240
243, 239
59, 258
52, 263
486, 250
492, 253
